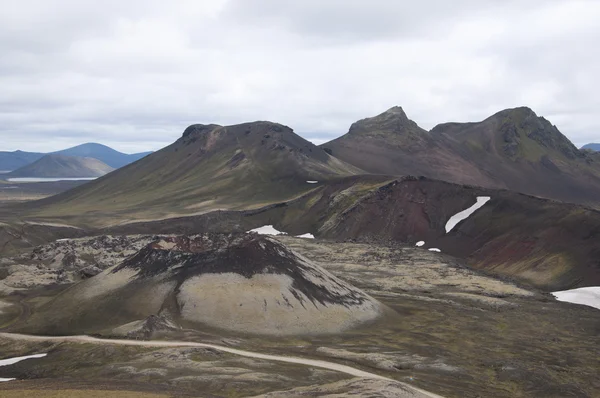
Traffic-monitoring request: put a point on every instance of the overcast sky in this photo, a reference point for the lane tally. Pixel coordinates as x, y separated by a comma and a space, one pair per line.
133, 74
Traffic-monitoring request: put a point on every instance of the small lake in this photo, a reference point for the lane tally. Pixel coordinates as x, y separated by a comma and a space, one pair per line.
34, 179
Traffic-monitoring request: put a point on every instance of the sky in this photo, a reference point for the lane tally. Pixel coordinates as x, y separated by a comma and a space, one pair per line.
133, 74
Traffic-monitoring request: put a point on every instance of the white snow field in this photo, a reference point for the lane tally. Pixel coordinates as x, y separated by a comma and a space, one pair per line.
312, 182
435, 249
420, 243
270, 230
267, 230
589, 296
463, 215
10, 361
306, 236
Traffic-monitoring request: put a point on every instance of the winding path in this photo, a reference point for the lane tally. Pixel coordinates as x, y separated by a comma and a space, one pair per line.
157, 343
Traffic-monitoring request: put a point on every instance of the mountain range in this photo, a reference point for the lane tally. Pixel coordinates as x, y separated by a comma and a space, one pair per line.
220, 178
10, 161
513, 149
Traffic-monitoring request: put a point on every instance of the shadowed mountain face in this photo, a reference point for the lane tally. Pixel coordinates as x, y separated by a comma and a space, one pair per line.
513, 149
209, 167
61, 166
238, 282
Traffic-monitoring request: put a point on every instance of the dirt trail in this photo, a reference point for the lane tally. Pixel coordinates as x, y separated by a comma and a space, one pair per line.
418, 393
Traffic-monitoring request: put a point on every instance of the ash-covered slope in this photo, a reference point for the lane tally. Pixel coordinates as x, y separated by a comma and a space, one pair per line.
513, 149
243, 282
209, 166
62, 166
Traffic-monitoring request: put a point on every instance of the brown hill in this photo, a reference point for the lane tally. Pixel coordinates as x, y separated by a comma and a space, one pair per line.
62, 166
513, 149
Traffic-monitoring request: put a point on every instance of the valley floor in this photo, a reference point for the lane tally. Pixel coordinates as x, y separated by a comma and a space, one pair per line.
448, 330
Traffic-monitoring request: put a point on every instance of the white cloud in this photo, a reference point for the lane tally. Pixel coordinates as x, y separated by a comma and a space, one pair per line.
134, 74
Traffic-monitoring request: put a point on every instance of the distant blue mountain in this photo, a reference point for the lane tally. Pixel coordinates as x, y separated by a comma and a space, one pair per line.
14, 160
103, 153
593, 147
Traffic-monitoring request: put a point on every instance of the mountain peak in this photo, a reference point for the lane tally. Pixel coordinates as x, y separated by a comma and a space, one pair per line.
518, 113
391, 122
396, 110
198, 128
519, 124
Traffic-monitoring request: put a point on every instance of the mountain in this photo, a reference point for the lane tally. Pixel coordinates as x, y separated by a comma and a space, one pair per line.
10, 161
592, 147
209, 167
234, 282
103, 153
513, 149
55, 166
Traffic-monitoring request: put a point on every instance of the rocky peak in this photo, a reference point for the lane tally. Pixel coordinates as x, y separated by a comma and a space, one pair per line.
397, 111
516, 123
394, 121
197, 129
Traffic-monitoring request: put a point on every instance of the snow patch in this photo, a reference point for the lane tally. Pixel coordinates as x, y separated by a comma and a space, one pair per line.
306, 236
463, 215
312, 182
267, 230
435, 249
589, 296
11, 361
420, 243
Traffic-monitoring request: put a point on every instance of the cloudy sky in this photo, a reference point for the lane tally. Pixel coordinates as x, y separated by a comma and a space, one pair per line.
134, 73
